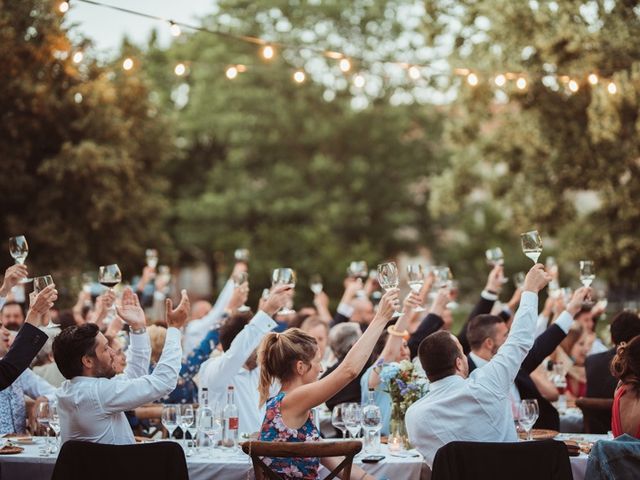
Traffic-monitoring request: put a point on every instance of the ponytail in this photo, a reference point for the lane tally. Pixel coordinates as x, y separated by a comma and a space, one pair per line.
277, 355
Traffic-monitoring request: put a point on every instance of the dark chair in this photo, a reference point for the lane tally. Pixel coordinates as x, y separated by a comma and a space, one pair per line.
320, 449
152, 461
543, 460
591, 407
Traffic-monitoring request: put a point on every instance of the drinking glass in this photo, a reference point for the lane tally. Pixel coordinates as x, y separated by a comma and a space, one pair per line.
284, 276
193, 431
152, 257
527, 415
443, 276
241, 255
315, 283
187, 419
560, 382
54, 423
531, 245
19, 249
359, 270
211, 426
39, 284
239, 280
518, 279
109, 276
388, 278
337, 420
43, 417
415, 279
372, 424
495, 256
352, 416
587, 272
170, 418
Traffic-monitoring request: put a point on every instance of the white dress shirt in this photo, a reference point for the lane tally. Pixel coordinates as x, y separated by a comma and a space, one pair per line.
196, 329
92, 409
227, 369
476, 408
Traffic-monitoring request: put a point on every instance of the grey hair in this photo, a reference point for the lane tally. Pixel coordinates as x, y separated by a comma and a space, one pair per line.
342, 337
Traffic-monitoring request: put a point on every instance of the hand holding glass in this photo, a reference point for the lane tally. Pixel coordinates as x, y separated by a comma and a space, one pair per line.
531, 245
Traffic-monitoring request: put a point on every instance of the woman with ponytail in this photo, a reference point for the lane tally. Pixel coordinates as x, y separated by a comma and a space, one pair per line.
293, 359
625, 366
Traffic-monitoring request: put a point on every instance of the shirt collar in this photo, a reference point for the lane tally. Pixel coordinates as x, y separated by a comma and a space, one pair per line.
480, 362
445, 382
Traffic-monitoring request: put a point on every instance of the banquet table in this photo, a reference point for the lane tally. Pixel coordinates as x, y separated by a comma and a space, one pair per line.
202, 466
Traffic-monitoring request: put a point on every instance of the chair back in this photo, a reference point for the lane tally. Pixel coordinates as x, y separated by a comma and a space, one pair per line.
149, 461
257, 449
543, 460
590, 407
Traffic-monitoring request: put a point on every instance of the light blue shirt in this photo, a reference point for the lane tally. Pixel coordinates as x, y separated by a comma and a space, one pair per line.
381, 398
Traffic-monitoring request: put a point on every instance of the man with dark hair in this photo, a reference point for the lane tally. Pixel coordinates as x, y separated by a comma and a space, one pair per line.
600, 383
92, 401
12, 316
477, 407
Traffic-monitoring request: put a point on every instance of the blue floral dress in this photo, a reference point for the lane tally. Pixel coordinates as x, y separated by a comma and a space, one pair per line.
274, 430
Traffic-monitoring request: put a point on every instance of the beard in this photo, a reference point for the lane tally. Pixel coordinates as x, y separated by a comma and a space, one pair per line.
105, 371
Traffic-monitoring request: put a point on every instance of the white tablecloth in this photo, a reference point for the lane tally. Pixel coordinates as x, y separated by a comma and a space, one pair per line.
30, 465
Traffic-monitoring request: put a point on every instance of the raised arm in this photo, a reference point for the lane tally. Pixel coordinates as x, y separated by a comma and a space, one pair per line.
431, 323
139, 351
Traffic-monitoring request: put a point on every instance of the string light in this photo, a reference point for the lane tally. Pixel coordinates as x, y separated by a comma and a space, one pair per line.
180, 69
268, 52
612, 88
414, 72
345, 65
299, 76
63, 7
521, 83
500, 80
573, 86
77, 57
175, 29
231, 73
127, 64
359, 81
472, 79
593, 79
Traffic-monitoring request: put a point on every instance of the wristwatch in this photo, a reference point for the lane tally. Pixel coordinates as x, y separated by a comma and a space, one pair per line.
138, 331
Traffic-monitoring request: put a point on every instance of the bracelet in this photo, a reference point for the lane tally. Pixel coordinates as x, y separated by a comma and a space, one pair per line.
139, 331
392, 331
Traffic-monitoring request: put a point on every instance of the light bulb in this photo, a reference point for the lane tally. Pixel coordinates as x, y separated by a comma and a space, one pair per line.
63, 7
180, 69
358, 81
78, 57
299, 76
414, 73
345, 65
573, 86
231, 73
175, 29
472, 79
593, 79
127, 64
612, 88
521, 83
500, 80
268, 52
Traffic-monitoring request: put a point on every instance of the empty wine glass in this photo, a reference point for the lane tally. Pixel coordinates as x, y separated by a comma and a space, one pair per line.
284, 276
210, 423
241, 255
360, 271
238, 280
39, 284
531, 245
415, 279
170, 418
54, 423
19, 249
152, 257
527, 415
336, 419
315, 283
43, 417
495, 256
587, 272
443, 276
187, 419
388, 278
352, 417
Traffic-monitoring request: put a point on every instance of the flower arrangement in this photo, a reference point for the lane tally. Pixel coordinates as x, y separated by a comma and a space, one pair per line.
403, 384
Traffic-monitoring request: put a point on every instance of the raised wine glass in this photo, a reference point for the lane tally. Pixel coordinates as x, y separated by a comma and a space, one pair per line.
495, 256
109, 276
238, 280
242, 255
587, 272
39, 284
315, 283
19, 249
527, 415
284, 276
388, 278
531, 245
415, 279
443, 276
359, 270
336, 419
152, 257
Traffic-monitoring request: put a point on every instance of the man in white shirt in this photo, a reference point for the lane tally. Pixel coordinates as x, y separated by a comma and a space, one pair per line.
476, 408
239, 341
92, 401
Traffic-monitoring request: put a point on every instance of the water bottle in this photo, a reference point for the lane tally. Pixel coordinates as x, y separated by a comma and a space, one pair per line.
231, 421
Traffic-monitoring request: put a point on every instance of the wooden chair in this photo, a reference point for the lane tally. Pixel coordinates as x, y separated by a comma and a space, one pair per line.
589, 406
321, 449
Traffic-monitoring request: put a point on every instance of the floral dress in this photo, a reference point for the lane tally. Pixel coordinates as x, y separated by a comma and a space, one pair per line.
274, 430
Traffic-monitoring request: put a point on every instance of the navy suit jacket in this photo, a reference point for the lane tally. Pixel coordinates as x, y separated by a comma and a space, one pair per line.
600, 384
25, 347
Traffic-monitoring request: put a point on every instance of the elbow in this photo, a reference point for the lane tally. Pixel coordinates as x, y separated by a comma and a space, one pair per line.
351, 372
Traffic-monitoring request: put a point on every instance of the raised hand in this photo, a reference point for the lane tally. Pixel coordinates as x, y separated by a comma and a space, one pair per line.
238, 297
42, 303
12, 276
278, 298
411, 302
386, 307
440, 302
536, 279
131, 311
176, 317
577, 299
494, 280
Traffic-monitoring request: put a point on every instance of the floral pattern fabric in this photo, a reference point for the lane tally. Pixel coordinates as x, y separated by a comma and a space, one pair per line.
274, 430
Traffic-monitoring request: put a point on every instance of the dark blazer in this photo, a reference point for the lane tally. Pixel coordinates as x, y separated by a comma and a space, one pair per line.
544, 345
600, 384
430, 324
25, 347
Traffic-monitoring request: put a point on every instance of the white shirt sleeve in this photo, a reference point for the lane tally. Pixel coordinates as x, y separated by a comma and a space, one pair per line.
217, 373
564, 321
345, 309
121, 393
35, 386
138, 355
497, 376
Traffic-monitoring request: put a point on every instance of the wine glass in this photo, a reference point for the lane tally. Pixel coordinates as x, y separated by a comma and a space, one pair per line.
193, 431
518, 279
19, 249
284, 276
39, 284
43, 417
495, 256
359, 270
388, 278
371, 423
170, 418
241, 255
238, 280
54, 423
527, 415
187, 419
315, 283
531, 245
152, 257
211, 425
443, 276
109, 276
352, 417
415, 279
336, 419
587, 272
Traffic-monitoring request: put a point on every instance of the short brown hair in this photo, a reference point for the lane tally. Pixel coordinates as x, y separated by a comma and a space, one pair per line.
480, 328
438, 354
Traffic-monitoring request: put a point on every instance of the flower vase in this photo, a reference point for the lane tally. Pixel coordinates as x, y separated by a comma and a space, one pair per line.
398, 438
